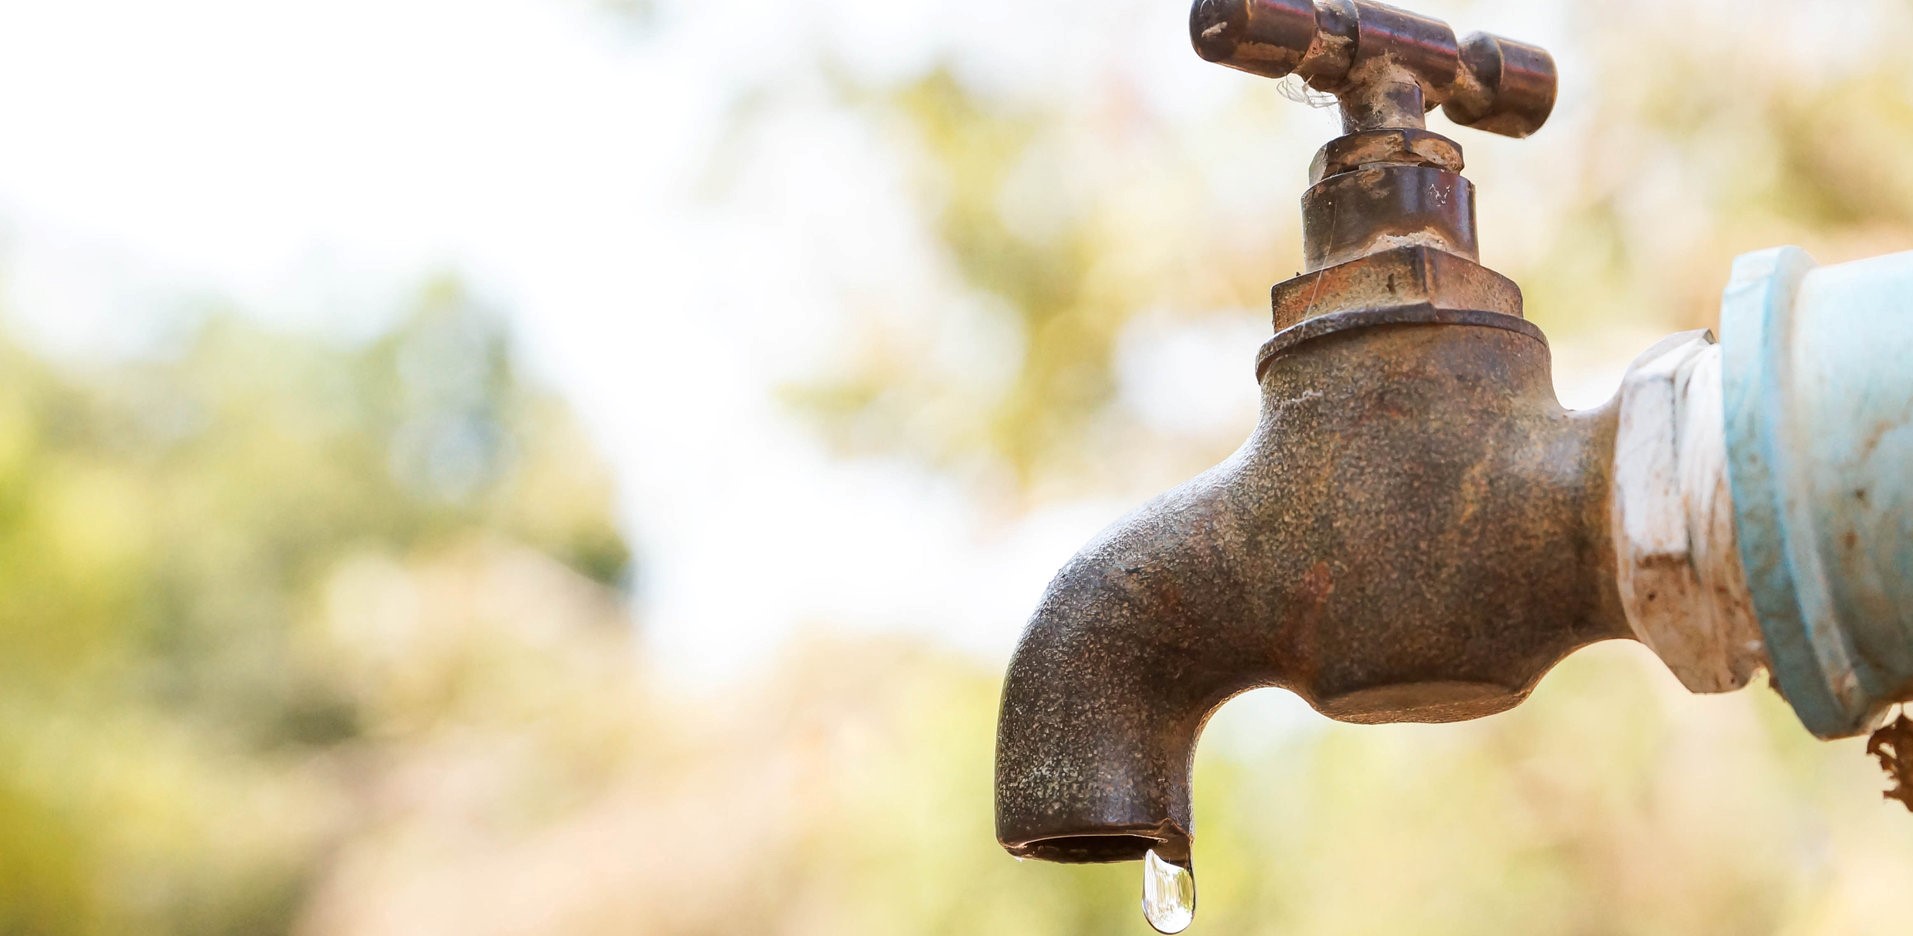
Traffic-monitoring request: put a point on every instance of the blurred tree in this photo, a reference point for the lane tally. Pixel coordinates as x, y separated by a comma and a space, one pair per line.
165, 526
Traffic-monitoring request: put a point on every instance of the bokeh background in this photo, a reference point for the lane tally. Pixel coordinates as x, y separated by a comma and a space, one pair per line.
567, 466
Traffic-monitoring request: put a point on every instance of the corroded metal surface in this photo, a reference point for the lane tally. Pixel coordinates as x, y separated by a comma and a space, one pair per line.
1410, 275
1374, 208
1416, 531
1506, 87
1388, 66
1262, 37
1386, 146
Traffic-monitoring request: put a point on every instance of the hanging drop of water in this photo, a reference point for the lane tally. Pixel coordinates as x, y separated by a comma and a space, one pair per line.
1168, 894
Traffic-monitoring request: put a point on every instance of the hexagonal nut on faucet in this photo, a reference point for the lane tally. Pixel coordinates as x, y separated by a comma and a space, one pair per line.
1394, 146
1678, 567
1409, 275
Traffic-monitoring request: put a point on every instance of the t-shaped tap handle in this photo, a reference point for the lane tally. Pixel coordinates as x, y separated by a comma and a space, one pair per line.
1388, 67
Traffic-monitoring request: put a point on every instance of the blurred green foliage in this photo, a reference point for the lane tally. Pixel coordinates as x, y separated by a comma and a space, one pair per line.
167, 527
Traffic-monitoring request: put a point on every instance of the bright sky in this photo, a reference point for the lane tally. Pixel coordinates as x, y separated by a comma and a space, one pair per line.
316, 161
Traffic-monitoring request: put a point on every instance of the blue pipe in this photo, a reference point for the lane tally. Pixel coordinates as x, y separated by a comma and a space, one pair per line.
1817, 376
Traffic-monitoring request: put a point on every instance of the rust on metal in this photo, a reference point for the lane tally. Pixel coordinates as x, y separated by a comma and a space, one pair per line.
1506, 87
1410, 275
1391, 146
1892, 745
1389, 67
1378, 207
1416, 529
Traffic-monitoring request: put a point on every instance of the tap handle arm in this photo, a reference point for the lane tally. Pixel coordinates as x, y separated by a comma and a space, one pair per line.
1388, 67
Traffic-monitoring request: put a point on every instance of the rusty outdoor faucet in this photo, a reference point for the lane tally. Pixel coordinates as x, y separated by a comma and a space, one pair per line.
1416, 530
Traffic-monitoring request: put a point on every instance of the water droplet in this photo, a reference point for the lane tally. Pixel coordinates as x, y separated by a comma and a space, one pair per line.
1168, 893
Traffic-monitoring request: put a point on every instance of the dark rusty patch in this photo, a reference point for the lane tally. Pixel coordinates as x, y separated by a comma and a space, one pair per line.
1893, 746
1299, 635
1316, 585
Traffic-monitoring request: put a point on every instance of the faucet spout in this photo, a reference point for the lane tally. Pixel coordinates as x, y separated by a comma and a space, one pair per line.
1415, 531
1115, 677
